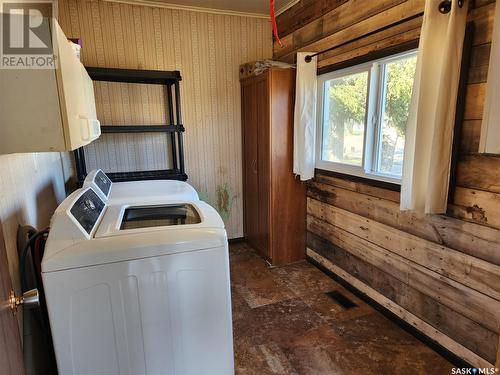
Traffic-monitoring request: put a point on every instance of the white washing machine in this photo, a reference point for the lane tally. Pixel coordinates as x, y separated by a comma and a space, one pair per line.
138, 289
138, 191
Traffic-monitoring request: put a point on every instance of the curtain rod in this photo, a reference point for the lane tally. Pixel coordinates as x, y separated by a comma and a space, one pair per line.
444, 7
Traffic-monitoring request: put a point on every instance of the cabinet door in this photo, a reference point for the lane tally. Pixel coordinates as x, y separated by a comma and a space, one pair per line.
76, 96
250, 177
263, 163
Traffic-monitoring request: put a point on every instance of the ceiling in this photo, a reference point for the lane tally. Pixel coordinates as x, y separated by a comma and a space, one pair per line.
244, 6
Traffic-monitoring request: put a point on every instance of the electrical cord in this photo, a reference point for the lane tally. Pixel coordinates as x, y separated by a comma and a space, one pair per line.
36, 243
24, 254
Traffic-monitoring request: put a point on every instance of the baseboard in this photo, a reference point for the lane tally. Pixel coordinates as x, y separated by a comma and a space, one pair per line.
236, 240
390, 310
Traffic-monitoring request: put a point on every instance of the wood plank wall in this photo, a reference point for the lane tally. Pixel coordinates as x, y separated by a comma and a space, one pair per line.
441, 273
208, 49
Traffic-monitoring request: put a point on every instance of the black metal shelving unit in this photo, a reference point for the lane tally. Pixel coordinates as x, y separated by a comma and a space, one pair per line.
175, 128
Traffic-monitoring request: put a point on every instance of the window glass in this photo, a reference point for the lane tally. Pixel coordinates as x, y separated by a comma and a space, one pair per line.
344, 118
397, 89
363, 115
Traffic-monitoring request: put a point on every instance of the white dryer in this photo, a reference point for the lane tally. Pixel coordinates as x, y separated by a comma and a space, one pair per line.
138, 289
138, 191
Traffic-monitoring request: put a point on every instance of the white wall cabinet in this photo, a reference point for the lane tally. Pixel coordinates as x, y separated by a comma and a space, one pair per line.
48, 109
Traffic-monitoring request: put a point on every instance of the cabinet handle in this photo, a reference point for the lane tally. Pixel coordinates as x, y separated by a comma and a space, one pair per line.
90, 128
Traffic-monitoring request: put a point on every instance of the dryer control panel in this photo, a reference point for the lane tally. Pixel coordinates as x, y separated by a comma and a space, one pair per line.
103, 182
87, 209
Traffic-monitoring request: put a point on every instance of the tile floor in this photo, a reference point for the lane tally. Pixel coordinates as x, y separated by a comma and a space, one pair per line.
284, 323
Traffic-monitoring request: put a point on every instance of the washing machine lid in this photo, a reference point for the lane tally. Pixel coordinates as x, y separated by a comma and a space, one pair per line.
138, 191
146, 191
159, 215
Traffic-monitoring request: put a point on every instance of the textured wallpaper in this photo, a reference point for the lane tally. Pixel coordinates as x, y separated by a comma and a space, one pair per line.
207, 48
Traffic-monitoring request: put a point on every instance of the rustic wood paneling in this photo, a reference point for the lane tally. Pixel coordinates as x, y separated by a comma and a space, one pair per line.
384, 40
479, 172
418, 266
379, 209
483, 18
474, 101
363, 188
468, 237
469, 139
477, 206
358, 18
207, 49
472, 272
480, 57
476, 306
305, 12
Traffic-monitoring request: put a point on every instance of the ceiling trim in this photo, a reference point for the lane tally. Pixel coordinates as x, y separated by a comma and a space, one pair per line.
158, 4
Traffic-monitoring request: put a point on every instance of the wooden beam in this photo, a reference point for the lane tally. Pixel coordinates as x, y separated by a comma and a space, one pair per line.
304, 12
381, 210
470, 238
475, 205
415, 23
350, 27
480, 59
483, 18
469, 271
383, 206
471, 131
474, 101
481, 172
358, 187
369, 49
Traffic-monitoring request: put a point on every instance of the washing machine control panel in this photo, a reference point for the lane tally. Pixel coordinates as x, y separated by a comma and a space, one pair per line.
103, 182
87, 209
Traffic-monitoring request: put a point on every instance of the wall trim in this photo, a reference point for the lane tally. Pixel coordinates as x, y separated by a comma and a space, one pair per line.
358, 179
158, 4
421, 326
236, 240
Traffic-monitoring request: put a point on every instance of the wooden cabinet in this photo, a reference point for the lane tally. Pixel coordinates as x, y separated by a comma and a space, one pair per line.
49, 109
274, 199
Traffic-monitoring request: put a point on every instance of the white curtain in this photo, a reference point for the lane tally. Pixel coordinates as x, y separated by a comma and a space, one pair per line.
304, 136
429, 133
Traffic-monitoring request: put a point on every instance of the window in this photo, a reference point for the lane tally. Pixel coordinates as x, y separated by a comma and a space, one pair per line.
362, 113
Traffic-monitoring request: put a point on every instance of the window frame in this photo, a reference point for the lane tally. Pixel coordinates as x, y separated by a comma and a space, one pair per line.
373, 119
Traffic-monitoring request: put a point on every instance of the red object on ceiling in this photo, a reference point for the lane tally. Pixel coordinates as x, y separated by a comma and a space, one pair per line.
273, 21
